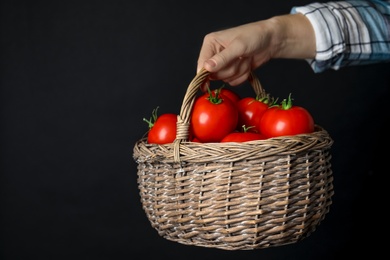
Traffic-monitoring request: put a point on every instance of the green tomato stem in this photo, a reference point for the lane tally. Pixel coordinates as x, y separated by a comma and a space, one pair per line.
215, 99
152, 119
287, 103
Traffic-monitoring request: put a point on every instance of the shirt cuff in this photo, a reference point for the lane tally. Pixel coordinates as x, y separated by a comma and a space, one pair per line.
329, 37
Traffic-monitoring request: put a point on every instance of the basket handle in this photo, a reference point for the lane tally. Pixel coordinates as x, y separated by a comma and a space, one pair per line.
183, 119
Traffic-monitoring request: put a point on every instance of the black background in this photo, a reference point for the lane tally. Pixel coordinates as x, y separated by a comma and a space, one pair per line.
78, 77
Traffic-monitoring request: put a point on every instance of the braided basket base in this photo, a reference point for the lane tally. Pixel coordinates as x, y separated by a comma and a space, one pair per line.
237, 196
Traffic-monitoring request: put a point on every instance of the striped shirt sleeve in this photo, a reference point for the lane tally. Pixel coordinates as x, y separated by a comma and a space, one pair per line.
348, 32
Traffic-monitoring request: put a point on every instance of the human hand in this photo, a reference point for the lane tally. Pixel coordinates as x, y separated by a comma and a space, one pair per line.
230, 55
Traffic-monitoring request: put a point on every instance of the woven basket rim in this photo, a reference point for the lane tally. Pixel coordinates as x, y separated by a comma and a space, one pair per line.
206, 152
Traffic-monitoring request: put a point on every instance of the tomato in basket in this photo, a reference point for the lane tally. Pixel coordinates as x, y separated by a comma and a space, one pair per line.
250, 111
243, 136
162, 129
213, 117
286, 119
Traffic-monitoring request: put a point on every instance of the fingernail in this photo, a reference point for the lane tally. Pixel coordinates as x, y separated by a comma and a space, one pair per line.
211, 63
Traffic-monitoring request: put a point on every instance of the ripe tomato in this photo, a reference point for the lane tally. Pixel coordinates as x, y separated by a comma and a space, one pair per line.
162, 129
242, 137
250, 111
213, 117
286, 119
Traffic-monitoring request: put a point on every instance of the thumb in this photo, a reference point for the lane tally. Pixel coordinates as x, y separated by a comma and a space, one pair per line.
221, 60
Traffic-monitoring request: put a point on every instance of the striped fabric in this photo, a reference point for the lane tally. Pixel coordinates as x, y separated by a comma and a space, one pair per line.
349, 32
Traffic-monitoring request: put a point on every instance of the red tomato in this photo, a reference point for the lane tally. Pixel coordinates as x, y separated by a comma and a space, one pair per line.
250, 111
286, 119
242, 137
162, 129
213, 118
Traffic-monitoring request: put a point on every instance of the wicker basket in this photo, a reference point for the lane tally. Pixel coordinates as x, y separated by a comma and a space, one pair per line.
235, 196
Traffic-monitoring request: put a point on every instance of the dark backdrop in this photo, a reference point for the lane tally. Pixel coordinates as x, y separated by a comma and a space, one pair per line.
77, 77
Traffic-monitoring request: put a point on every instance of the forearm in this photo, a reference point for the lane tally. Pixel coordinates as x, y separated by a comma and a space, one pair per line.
293, 37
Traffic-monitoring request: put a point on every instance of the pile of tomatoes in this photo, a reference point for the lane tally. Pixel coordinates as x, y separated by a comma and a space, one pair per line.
222, 115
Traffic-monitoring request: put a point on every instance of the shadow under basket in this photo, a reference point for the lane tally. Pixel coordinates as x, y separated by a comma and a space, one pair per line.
235, 196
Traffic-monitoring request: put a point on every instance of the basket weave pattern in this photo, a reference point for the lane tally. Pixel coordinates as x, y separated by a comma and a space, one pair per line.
235, 196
